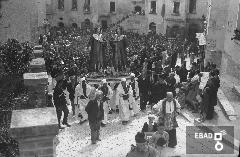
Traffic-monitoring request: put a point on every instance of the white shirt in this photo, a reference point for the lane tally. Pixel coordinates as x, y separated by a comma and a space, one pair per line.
169, 106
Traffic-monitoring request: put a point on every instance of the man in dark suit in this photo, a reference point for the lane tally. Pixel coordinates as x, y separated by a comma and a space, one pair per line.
60, 103
71, 85
95, 112
182, 73
144, 85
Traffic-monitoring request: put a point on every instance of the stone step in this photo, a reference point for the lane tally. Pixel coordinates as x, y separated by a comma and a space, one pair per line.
227, 108
236, 90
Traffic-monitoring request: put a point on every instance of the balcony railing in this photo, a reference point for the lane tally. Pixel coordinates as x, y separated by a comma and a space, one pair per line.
87, 9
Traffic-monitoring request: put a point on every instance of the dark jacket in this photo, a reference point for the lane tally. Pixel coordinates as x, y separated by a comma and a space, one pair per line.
71, 90
94, 112
182, 73
59, 97
143, 85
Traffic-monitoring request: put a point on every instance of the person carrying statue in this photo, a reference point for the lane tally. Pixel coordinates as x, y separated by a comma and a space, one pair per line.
107, 94
134, 95
81, 99
167, 111
123, 99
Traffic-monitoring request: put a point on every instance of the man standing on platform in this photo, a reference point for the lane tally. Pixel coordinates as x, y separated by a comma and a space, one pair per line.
123, 99
134, 95
107, 94
167, 110
94, 109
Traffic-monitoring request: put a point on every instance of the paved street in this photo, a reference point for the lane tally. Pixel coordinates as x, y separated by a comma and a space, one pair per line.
116, 139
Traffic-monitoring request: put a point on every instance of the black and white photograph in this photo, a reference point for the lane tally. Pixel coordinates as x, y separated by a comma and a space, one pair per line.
119, 78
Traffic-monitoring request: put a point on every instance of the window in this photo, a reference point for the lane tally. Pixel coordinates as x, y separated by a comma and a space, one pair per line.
74, 4
87, 2
192, 6
87, 6
153, 7
60, 4
104, 25
176, 7
112, 7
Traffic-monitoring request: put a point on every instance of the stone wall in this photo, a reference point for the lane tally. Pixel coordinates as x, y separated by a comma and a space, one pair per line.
21, 19
35, 130
216, 30
223, 22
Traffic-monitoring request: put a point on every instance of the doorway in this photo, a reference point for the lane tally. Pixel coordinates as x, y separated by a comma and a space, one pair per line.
104, 25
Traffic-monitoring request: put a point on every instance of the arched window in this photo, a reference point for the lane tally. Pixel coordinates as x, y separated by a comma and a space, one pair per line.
152, 27
74, 25
138, 9
61, 24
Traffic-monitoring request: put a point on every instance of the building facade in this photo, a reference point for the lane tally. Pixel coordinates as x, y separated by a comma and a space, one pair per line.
223, 48
21, 19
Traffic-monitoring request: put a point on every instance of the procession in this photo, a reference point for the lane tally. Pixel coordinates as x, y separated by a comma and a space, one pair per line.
129, 90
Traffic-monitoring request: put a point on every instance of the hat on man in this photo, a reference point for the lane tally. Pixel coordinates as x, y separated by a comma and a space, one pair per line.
140, 137
123, 80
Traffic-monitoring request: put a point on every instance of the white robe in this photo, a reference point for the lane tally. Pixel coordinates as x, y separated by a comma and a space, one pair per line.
106, 105
134, 103
81, 103
113, 98
123, 106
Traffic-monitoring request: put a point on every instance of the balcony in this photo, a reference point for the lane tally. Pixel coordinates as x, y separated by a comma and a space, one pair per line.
87, 9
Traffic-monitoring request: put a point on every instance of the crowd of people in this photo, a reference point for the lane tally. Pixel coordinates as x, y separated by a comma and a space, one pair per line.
152, 64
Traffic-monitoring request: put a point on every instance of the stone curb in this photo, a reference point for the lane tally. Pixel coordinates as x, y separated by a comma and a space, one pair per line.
195, 121
225, 105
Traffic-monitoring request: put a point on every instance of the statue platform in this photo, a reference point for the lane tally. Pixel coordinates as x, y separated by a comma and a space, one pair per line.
109, 79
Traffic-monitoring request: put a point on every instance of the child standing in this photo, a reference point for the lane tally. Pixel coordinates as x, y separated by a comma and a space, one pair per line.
160, 138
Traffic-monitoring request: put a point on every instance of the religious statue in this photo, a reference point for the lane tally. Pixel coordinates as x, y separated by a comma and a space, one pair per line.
97, 51
119, 57
98, 54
